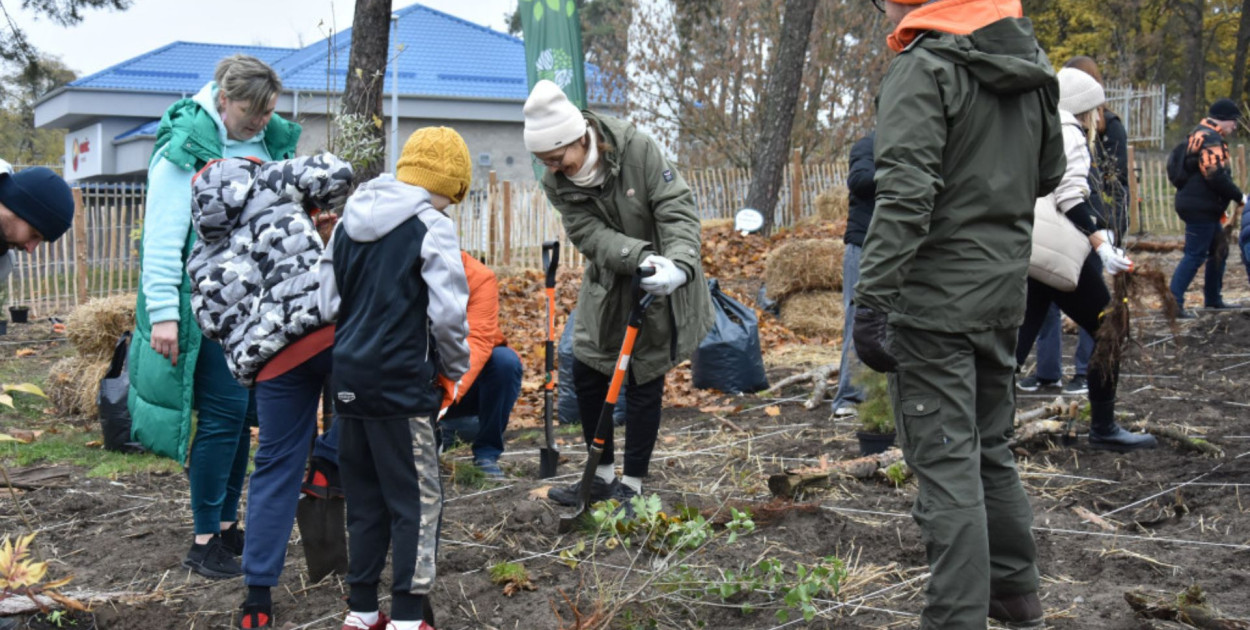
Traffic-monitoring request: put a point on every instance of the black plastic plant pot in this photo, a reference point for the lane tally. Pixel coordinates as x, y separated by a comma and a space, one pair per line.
19, 314
873, 443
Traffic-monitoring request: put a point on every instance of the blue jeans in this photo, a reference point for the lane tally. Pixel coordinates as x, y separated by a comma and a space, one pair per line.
287, 407
490, 399
848, 393
1050, 349
221, 443
1200, 245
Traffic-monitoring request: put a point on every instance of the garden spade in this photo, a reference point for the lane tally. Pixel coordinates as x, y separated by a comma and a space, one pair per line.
323, 522
603, 429
548, 456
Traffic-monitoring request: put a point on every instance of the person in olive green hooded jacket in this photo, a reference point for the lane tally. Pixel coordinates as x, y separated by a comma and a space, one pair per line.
968, 135
623, 206
173, 368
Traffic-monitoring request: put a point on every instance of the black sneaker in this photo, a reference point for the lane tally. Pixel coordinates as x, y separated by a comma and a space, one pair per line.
212, 560
1031, 383
600, 490
232, 539
1076, 387
1185, 313
622, 495
255, 616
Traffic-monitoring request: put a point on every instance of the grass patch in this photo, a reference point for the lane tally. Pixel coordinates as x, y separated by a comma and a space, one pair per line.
69, 446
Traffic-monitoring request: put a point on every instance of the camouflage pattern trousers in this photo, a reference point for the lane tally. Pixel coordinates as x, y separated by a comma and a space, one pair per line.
394, 494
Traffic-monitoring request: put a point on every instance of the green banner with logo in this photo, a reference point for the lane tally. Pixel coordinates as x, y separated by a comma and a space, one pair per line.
553, 49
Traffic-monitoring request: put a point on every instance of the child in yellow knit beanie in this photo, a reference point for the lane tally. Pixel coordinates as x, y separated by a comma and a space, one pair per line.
393, 273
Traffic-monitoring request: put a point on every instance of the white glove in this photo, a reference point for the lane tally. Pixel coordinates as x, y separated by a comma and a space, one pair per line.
1114, 260
666, 279
6, 168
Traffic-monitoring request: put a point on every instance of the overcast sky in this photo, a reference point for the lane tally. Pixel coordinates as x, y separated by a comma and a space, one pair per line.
105, 38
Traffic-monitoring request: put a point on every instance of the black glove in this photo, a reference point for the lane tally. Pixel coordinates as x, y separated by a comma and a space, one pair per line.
869, 334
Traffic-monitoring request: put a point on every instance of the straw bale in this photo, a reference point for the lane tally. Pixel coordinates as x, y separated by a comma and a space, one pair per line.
805, 265
74, 384
813, 313
833, 204
94, 327
712, 224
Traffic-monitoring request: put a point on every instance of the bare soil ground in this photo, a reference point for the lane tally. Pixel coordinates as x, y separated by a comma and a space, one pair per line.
1176, 518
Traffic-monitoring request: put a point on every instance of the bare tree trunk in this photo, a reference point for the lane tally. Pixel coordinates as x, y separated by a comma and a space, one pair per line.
780, 100
1191, 14
1239, 60
362, 96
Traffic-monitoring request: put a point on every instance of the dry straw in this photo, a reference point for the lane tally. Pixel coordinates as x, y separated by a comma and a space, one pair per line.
74, 384
833, 204
813, 313
807, 265
94, 327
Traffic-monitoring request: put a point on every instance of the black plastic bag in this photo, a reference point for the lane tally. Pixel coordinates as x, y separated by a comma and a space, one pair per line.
114, 414
566, 403
729, 358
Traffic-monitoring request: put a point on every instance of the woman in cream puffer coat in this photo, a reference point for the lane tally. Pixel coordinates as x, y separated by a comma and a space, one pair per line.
1079, 99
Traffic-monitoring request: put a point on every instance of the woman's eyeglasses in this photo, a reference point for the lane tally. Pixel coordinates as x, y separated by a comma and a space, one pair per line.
879, 4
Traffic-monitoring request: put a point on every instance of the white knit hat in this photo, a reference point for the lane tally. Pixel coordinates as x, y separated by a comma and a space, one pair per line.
1079, 92
551, 120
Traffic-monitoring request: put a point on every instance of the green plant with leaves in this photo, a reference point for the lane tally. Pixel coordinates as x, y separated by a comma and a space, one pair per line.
765, 585
876, 415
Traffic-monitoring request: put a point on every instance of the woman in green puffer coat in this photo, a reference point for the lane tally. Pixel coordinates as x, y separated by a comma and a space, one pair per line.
623, 206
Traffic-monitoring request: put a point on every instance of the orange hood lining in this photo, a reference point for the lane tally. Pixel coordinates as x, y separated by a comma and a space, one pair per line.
958, 17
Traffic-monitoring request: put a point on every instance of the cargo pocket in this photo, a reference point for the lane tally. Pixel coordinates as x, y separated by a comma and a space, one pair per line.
920, 430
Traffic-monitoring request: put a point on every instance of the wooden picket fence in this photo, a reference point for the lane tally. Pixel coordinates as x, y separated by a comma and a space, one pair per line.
503, 223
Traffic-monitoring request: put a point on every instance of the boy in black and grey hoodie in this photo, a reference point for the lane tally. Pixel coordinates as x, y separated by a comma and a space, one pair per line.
393, 273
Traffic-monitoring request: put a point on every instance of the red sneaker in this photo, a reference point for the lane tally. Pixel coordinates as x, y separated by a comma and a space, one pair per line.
352, 622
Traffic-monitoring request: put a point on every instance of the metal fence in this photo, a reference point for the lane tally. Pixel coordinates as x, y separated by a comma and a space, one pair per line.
504, 223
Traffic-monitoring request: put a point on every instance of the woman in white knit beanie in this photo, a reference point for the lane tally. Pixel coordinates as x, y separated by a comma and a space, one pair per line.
1080, 96
623, 206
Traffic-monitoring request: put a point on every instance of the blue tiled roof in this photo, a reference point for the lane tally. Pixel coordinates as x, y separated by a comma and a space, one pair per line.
181, 67
444, 56
146, 129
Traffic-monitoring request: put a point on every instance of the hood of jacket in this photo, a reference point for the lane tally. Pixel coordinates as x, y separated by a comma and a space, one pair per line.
988, 37
381, 205
225, 191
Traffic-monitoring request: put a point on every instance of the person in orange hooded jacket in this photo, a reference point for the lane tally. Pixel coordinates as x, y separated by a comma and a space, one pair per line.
493, 382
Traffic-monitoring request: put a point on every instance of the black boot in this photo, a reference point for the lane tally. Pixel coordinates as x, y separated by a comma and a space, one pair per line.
1105, 434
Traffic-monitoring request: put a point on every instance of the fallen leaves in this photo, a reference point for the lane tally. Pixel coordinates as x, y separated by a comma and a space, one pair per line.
25, 352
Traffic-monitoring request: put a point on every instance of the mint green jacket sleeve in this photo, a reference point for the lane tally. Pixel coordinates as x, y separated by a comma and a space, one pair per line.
166, 224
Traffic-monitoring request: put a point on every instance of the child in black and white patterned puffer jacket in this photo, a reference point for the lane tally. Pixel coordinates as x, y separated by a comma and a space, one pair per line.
254, 289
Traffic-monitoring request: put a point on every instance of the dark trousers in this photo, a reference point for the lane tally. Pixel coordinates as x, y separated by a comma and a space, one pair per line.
394, 501
1201, 240
642, 418
954, 404
1085, 306
491, 398
287, 409
222, 441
